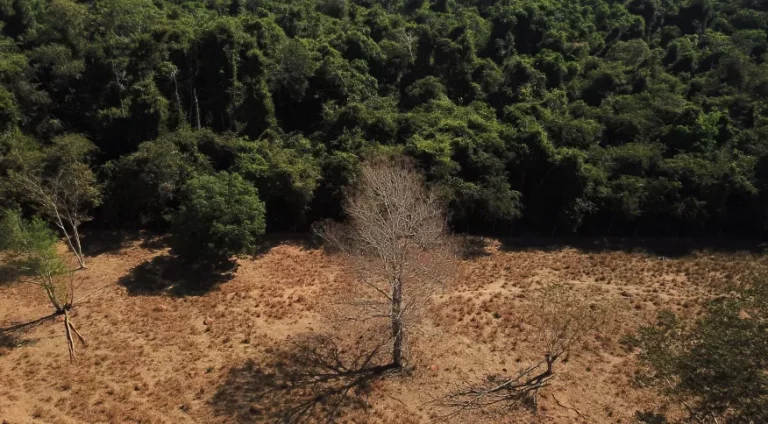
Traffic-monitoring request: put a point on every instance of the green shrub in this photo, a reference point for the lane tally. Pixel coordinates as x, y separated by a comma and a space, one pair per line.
143, 187
219, 216
30, 252
717, 366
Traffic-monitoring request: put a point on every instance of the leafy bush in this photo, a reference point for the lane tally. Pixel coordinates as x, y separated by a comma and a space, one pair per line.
286, 172
219, 216
144, 186
30, 248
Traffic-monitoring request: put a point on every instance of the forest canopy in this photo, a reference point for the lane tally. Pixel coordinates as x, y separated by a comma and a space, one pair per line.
588, 116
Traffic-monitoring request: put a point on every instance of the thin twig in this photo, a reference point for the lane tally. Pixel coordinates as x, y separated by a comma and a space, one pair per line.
89, 295
568, 407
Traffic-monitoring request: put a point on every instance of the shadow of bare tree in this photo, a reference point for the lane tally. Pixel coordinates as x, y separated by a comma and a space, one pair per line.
168, 274
308, 379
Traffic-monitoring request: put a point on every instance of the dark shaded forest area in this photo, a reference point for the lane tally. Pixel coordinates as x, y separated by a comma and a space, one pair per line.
596, 117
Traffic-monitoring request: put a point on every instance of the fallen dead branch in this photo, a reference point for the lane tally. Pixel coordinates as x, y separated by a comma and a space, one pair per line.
522, 388
560, 321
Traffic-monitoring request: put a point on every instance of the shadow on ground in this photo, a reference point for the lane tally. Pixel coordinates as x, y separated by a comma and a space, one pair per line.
671, 248
7, 342
310, 378
99, 241
8, 274
267, 242
471, 247
11, 340
169, 275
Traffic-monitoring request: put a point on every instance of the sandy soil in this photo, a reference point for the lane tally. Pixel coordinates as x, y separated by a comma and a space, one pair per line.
161, 349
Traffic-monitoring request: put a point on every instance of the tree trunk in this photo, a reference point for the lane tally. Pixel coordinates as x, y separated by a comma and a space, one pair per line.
48, 288
79, 252
397, 324
180, 111
197, 108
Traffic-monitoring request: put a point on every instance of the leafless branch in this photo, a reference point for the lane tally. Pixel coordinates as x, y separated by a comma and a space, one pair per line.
396, 242
560, 321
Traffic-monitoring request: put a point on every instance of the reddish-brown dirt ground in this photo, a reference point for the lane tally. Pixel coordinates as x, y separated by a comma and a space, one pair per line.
159, 352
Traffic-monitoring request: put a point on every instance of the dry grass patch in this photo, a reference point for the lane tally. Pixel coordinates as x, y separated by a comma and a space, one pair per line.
164, 358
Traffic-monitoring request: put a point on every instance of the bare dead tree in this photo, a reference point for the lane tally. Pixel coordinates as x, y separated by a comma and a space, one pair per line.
397, 242
560, 321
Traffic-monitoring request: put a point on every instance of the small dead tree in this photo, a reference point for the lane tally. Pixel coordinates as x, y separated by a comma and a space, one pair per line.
397, 242
560, 320
31, 249
60, 184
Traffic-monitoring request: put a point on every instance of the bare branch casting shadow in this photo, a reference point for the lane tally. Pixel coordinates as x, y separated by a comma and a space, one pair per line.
309, 379
170, 275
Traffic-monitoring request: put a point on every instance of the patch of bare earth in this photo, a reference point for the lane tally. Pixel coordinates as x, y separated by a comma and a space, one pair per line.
158, 353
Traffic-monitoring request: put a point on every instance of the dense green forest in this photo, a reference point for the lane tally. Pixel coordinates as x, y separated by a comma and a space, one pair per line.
601, 117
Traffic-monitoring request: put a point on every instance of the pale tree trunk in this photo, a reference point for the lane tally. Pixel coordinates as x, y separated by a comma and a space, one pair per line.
180, 111
197, 108
79, 253
75, 246
48, 288
47, 198
63, 228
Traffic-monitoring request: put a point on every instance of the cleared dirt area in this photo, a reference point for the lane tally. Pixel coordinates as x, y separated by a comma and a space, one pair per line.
163, 347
